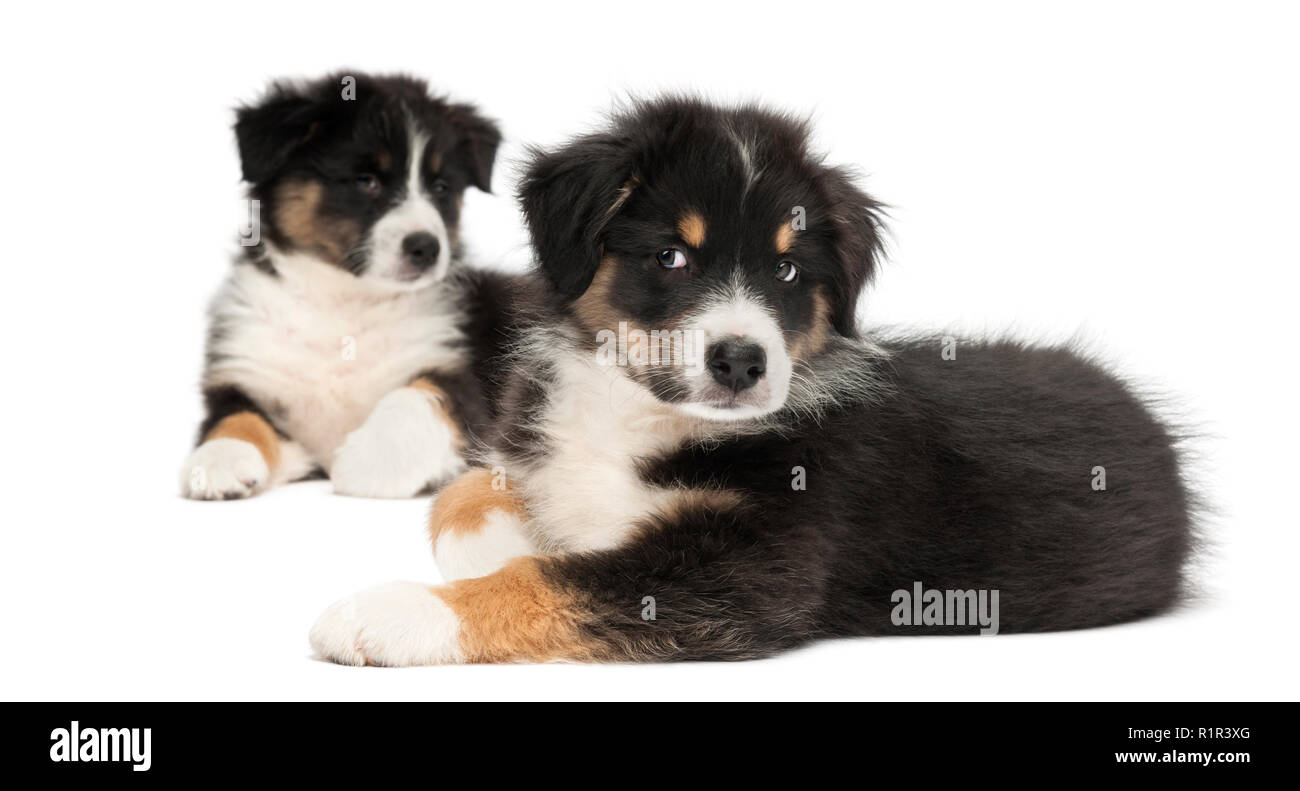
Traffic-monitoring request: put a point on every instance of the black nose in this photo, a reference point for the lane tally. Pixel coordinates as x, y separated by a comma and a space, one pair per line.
737, 364
421, 249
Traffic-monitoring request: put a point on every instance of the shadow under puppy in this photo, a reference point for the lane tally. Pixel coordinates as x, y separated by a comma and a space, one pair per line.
337, 344
772, 477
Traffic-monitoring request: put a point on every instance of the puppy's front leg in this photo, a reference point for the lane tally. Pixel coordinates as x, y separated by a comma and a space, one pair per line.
410, 442
476, 525
514, 614
234, 460
240, 453
698, 582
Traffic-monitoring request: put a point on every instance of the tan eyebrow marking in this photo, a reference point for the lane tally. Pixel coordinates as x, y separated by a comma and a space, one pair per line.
691, 227
784, 237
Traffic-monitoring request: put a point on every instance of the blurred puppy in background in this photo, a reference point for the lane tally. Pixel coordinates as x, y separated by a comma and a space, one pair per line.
338, 343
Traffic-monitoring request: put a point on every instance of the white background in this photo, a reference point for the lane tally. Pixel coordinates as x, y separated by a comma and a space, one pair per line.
1123, 171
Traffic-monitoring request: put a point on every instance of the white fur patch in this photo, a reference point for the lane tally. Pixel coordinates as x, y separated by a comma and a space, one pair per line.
224, 469
461, 555
745, 149
319, 347
402, 447
587, 494
394, 625
294, 463
736, 313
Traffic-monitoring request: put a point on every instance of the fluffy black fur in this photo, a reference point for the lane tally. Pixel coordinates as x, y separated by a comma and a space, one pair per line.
973, 473
966, 473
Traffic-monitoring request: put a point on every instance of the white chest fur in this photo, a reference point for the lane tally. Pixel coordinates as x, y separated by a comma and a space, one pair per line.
318, 347
587, 494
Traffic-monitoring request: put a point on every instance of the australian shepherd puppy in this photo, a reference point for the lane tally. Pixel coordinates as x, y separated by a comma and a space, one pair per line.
700, 457
337, 344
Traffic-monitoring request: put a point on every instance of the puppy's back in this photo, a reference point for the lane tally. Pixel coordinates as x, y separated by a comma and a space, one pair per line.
1051, 480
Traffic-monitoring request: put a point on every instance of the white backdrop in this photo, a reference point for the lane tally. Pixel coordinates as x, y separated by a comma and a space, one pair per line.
1127, 172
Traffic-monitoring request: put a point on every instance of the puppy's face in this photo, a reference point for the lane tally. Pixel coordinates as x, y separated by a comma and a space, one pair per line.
369, 179
707, 253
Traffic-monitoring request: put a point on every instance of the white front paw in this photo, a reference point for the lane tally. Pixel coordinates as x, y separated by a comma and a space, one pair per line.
223, 469
402, 448
394, 625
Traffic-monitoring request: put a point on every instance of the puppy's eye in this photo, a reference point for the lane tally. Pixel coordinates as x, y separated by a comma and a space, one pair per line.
671, 258
439, 186
368, 183
786, 271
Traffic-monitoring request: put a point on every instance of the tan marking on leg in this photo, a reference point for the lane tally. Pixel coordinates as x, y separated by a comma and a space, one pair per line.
692, 228
462, 504
518, 614
514, 615
429, 387
297, 216
784, 237
253, 429
442, 410
813, 339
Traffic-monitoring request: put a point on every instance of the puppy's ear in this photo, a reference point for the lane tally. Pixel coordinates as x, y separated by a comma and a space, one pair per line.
858, 229
568, 196
477, 149
268, 133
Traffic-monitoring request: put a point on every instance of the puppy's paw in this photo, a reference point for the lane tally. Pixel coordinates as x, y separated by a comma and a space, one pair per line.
224, 469
406, 445
395, 625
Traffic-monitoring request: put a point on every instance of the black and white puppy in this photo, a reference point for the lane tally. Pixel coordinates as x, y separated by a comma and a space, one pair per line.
700, 457
337, 343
